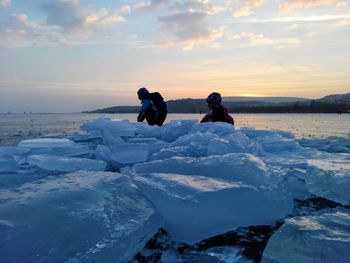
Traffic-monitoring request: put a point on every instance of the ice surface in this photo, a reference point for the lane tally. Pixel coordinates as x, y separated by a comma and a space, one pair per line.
198, 207
253, 133
329, 179
174, 130
12, 150
78, 217
110, 130
129, 153
311, 239
218, 128
46, 143
205, 179
238, 167
7, 164
124, 153
60, 147
65, 164
330, 144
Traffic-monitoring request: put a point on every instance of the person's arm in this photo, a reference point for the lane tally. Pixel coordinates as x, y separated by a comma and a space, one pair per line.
207, 118
229, 119
142, 114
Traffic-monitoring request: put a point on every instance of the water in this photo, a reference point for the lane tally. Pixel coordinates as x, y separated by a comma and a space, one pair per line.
16, 127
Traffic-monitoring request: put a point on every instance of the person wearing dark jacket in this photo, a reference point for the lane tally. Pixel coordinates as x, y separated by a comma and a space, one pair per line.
153, 109
217, 112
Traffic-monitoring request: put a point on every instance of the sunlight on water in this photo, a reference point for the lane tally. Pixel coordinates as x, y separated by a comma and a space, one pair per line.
16, 127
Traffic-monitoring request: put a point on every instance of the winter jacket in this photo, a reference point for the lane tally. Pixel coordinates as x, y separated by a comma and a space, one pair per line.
210, 118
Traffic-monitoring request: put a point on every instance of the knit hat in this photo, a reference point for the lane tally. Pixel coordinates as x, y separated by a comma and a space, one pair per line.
214, 99
142, 93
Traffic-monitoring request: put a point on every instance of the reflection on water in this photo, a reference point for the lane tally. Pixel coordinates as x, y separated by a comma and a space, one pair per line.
16, 127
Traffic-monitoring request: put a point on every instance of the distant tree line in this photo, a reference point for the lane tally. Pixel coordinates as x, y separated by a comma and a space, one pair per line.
200, 106
313, 107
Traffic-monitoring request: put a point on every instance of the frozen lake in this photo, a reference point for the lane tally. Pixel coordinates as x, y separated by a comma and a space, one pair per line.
16, 127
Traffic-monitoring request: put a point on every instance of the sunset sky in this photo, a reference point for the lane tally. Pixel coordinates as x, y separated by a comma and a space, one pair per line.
71, 55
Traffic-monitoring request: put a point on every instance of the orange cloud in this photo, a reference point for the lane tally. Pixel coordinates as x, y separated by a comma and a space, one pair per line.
247, 10
303, 4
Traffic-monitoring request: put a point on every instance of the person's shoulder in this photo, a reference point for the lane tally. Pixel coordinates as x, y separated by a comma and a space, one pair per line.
208, 117
225, 110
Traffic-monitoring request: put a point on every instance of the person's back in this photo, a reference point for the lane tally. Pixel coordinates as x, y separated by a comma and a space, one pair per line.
216, 111
154, 108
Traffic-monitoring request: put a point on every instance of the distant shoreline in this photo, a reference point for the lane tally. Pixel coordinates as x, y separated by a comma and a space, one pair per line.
330, 104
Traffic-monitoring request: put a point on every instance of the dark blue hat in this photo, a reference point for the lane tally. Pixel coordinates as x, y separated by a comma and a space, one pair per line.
214, 99
142, 93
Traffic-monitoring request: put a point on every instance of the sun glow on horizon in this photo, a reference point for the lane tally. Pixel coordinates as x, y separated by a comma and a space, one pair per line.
249, 95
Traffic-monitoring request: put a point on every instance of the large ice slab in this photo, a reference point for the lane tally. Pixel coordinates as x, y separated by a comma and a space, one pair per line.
200, 144
65, 164
237, 167
218, 128
46, 143
13, 150
174, 130
52, 146
123, 153
7, 164
78, 217
329, 179
110, 130
311, 239
198, 207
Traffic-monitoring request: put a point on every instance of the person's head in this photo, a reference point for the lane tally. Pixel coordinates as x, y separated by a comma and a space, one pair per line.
214, 100
142, 93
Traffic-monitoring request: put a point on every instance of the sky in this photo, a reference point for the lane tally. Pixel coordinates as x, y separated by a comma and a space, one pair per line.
75, 55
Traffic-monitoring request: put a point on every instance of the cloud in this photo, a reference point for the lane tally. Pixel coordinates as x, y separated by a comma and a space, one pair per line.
260, 40
291, 5
293, 26
124, 9
340, 24
21, 31
77, 19
248, 8
9, 37
189, 29
341, 5
188, 24
5, 3
151, 5
294, 19
66, 22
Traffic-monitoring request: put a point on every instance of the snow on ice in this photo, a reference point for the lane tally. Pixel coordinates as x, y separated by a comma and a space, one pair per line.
194, 180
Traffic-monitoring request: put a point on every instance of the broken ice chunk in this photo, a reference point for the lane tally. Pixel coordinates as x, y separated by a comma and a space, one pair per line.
65, 164
198, 207
311, 239
329, 179
78, 217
